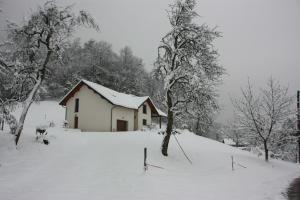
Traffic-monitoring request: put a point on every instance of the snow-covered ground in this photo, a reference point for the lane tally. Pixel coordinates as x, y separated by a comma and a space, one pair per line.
110, 166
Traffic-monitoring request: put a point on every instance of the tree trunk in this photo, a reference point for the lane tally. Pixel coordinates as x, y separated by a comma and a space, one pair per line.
237, 142
266, 151
2, 124
27, 105
30, 98
299, 149
2, 120
197, 126
165, 143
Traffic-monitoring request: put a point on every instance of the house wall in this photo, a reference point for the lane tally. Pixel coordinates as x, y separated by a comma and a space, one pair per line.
121, 113
142, 116
94, 112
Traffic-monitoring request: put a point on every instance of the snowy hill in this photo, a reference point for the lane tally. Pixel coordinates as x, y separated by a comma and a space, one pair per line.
110, 166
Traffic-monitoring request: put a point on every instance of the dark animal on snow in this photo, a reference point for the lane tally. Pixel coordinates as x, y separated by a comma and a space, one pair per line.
40, 131
46, 142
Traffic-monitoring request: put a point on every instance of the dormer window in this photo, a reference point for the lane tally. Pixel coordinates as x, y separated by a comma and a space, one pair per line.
144, 109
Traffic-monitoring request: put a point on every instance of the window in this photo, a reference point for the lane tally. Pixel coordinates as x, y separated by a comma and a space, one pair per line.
144, 122
144, 109
76, 105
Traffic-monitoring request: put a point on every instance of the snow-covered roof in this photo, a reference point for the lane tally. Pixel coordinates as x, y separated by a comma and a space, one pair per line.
161, 113
117, 98
114, 97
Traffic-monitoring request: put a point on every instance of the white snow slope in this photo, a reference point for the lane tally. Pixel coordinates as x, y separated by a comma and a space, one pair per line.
110, 166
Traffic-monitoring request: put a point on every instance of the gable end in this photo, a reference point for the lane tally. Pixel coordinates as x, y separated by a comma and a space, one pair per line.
72, 92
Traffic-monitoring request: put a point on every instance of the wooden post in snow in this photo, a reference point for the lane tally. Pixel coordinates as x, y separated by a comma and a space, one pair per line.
159, 121
232, 167
2, 119
145, 159
298, 123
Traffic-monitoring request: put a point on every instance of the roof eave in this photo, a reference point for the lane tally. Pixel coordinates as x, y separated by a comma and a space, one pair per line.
63, 101
69, 94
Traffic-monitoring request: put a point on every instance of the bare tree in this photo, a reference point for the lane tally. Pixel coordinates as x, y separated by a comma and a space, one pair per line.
187, 63
238, 134
263, 114
38, 42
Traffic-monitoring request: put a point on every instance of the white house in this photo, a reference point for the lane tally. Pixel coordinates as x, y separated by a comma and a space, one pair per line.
93, 107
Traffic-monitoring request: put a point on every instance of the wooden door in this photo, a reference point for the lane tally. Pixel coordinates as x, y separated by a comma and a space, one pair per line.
76, 122
121, 125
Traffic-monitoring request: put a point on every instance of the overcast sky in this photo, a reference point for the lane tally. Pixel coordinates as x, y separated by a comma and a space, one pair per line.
261, 38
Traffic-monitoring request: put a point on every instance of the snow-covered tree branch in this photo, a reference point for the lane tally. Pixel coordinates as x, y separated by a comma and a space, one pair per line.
41, 40
187, 62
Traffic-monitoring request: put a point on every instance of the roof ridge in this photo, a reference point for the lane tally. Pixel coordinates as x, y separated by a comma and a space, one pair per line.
133, 95
115, 97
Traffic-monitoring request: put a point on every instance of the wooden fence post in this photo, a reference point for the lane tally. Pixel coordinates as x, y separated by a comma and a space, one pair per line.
145, 159
298, 123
